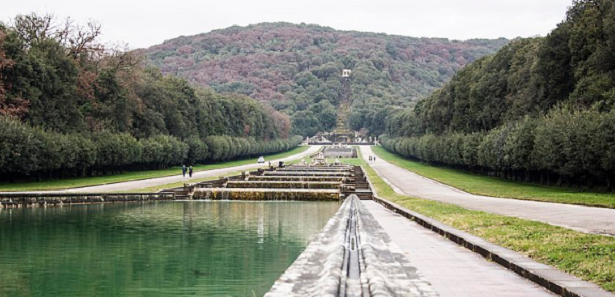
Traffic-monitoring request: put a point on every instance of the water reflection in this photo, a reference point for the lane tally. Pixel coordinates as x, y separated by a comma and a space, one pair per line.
154, 249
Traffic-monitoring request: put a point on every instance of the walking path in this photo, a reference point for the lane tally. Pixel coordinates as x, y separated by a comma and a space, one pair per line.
452, 270
152, 182
580, 218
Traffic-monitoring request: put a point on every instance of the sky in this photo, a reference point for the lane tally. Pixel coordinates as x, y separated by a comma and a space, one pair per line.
146, 23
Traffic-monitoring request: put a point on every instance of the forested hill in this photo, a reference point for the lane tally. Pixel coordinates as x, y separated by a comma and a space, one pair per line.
541, 109
297, 68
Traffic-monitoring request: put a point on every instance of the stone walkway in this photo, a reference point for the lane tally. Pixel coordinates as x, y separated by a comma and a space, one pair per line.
580, 218
152, 182
452, 270
352, 256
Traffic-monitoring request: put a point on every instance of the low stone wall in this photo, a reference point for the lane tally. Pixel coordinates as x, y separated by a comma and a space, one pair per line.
267, 194
283, 185
352, 256
315, 169
14, 200
306, 173
299, 178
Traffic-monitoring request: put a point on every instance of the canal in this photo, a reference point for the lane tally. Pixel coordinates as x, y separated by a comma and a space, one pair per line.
192, 248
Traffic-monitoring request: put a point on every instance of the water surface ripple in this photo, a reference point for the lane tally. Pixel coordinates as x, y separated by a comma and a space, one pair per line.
195, 248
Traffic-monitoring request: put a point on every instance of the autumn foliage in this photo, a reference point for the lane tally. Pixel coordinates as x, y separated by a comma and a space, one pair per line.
297, 68
72, 107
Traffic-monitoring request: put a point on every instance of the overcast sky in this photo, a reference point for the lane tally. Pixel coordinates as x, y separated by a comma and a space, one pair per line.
146, 23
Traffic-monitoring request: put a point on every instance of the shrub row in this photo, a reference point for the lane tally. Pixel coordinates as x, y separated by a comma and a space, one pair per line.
572, 147
25, 150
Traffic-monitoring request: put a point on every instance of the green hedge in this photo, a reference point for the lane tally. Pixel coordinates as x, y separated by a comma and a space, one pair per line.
28, 151
562, 147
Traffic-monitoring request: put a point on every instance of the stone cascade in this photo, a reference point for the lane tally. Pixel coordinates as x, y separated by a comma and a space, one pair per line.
296, 182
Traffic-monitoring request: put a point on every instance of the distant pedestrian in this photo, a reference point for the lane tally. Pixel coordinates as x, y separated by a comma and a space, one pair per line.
184, 170
374, 158
190, 171
370, 158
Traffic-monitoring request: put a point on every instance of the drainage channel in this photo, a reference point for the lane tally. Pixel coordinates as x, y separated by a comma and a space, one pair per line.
352, 256
351, 283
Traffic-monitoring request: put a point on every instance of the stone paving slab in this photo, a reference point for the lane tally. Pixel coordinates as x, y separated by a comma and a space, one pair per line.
452, 270
546, 276
580, 218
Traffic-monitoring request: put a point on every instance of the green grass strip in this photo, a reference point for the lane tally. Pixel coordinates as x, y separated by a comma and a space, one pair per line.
132, 175
497, 187
589, 257
158, 188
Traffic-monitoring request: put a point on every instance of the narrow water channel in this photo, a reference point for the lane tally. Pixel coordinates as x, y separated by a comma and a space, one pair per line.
154, 249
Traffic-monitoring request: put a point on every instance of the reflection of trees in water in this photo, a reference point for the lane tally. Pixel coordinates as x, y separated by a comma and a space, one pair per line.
124, 248
295, 218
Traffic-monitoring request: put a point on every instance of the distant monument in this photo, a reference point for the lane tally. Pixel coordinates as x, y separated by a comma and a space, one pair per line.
342, 133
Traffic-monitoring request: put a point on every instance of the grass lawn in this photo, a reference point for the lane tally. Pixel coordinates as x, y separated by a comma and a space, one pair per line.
132, 175
590, 257
497, 187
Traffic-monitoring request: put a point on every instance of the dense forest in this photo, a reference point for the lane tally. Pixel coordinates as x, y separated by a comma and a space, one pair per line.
71, 107
540, 109
297, 69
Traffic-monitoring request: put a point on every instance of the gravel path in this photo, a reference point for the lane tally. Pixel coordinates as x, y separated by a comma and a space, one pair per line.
152, 182
580, 218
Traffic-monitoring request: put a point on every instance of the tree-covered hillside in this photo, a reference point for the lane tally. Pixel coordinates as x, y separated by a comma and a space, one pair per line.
297, 68
540, 109
71, 107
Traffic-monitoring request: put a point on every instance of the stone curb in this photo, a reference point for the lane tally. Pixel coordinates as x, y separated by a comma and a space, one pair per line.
546, 276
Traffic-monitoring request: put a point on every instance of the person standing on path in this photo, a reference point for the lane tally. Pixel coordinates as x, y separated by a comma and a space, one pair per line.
190, 171
184, 170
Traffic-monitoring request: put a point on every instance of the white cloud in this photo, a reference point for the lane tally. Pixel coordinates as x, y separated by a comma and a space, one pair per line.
146, 23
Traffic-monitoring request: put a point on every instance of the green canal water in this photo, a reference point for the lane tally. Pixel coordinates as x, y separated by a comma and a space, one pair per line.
154, 249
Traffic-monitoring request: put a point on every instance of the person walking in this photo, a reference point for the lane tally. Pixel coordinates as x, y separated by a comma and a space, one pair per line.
190, 171
184, 170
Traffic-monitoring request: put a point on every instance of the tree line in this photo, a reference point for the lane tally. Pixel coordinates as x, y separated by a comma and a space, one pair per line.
70, 106
540, 109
